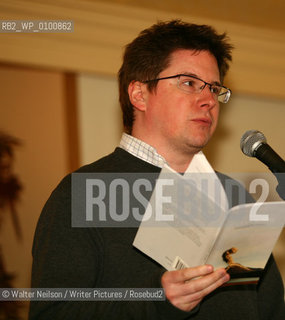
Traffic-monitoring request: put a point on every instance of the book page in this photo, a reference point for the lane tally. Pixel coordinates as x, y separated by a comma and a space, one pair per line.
248, 238
180, 224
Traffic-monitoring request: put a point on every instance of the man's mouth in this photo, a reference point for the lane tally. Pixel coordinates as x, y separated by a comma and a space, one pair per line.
203, 120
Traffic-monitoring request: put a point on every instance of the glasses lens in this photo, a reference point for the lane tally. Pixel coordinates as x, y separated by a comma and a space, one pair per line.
224, 95
190, 85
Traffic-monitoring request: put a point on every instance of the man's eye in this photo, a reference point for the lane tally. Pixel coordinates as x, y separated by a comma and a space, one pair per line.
189, 83
216, 90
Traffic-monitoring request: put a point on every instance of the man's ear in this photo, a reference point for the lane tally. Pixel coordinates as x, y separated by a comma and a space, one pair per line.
137, 94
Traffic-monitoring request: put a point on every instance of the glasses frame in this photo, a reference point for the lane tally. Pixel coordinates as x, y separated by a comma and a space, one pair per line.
226, 95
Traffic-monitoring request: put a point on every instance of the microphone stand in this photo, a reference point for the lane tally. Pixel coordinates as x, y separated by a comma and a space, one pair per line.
281, 184
275, 163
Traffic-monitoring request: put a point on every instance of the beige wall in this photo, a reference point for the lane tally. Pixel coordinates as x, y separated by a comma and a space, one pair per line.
242, 113
31, 109
99, 116
102, 29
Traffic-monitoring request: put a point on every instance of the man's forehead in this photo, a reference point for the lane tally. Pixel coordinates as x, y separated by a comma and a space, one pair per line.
191, 54
192, 61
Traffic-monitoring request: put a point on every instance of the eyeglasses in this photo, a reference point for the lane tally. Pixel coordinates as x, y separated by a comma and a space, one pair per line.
193, 84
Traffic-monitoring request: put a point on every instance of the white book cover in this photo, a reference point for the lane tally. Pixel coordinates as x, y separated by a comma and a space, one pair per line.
184, 227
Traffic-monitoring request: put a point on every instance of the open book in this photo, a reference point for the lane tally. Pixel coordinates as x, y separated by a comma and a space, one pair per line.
184, 227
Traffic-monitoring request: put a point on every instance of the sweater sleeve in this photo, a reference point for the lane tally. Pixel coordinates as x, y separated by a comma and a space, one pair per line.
270, 293
66, 257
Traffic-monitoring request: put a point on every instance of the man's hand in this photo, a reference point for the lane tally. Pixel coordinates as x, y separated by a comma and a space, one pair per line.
187, 287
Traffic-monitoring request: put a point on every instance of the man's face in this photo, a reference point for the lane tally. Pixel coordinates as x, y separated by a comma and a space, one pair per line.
180, 121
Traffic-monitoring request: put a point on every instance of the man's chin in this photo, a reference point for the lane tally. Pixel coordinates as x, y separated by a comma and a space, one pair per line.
199, 144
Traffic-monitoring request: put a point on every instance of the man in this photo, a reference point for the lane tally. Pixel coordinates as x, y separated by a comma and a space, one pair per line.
170, 89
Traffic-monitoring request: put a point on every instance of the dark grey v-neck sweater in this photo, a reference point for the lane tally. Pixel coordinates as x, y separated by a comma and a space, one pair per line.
66, 257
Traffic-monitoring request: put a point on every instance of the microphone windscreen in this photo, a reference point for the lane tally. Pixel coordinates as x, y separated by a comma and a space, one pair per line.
250, 140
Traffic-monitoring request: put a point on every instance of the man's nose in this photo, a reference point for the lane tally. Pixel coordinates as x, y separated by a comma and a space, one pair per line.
210, 99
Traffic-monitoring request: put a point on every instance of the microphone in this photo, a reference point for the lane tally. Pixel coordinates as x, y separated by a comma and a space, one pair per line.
254, 144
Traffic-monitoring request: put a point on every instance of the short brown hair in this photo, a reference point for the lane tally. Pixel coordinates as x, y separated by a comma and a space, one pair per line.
149, 54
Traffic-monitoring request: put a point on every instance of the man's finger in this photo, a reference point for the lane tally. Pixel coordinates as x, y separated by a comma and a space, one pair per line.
187, 274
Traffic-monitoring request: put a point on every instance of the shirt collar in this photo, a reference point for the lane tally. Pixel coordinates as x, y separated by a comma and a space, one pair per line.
146, 152
197, 167
141, 150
